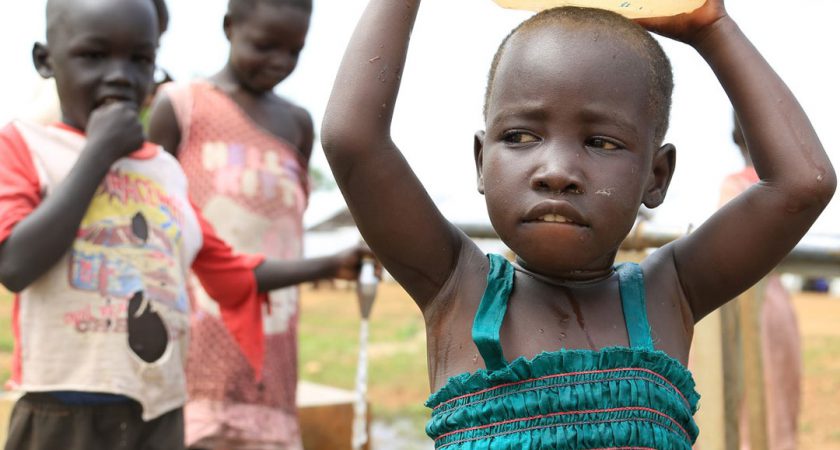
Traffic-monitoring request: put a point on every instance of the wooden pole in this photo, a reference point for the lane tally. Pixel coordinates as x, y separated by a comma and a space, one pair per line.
706, 363
733, 372
750, 309
716, 365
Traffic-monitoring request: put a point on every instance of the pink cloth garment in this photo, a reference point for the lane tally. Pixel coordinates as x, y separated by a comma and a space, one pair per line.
253, 188
780, 345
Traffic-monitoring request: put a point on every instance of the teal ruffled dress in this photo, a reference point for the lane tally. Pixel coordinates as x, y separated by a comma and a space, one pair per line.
614, 398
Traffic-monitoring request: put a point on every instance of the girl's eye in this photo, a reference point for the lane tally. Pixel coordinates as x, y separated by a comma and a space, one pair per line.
602, 144
519, 137
144, 59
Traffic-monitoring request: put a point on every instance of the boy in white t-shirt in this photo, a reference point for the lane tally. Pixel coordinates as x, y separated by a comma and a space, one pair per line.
97, 237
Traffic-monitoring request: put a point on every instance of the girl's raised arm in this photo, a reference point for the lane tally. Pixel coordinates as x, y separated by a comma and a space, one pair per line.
748, 237
391, 208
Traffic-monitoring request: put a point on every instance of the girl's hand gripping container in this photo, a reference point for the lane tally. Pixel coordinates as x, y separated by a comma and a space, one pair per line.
634, 9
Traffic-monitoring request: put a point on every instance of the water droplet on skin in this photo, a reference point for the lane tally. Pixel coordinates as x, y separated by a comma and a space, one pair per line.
562, 336
542, 331
475, 359
580, 320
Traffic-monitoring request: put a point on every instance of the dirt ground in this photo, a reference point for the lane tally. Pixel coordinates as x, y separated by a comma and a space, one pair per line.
398, 366
819, 322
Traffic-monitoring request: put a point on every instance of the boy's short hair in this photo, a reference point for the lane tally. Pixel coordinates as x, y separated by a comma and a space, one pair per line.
238, 9
661, 75
162, 15
161, 11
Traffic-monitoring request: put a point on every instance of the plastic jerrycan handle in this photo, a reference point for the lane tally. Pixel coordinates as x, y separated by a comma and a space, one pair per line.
633, 9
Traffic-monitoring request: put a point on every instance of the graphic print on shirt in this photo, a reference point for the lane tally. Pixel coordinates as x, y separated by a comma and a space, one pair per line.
127, 250
250, 172
244, 180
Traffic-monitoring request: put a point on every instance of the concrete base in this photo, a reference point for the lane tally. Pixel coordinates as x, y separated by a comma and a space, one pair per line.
326, 417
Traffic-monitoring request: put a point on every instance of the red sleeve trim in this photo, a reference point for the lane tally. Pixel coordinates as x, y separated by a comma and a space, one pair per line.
20, 186
228, 278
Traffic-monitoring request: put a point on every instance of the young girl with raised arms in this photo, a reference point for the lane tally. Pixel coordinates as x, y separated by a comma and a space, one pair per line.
561, 348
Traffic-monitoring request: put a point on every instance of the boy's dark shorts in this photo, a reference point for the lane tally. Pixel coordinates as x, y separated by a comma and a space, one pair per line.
41, 422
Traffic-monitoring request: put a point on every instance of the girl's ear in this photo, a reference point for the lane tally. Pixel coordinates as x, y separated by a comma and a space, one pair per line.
41, 60
227, 26
662, 169
479, 159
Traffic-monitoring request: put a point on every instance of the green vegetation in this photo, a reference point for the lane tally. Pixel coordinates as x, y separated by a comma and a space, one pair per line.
6, 338
329, 349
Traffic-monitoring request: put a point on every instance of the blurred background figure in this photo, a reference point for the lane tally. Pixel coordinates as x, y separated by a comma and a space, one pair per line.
780, 338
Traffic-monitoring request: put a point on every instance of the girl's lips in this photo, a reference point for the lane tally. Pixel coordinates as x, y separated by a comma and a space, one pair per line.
554, 211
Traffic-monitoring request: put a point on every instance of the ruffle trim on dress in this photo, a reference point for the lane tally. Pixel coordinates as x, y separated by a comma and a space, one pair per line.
569, 362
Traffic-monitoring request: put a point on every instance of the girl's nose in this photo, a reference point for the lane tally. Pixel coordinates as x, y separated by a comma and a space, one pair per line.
559, 172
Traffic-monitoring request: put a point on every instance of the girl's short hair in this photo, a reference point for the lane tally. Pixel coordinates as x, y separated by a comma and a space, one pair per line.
238, 9
661, 75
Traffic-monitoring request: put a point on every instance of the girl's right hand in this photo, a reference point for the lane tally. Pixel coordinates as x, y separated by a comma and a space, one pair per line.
690, 27
348, 263
115, 130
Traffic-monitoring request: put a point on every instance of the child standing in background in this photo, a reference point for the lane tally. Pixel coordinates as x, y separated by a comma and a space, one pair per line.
97, 237
562, 349
246, 153
780, 340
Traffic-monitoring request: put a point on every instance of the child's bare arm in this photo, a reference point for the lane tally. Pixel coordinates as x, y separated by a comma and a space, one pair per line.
345, 265
750, 235
42, 238
163, 125
307, 131
393, 211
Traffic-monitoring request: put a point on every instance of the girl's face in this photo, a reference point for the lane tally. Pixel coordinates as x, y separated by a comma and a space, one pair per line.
569, 153
265, 45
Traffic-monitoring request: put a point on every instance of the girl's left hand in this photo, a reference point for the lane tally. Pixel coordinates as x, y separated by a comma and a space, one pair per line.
689, 27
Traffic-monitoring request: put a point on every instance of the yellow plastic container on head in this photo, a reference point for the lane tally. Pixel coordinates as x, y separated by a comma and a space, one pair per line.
634, 9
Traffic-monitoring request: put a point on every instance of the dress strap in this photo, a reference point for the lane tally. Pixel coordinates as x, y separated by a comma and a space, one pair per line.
491, 312
631, 285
